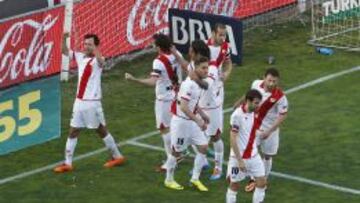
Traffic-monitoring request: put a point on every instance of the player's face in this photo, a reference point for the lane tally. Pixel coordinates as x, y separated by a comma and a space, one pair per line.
271, 81
89, 45
253, 105
201, 70
220, 36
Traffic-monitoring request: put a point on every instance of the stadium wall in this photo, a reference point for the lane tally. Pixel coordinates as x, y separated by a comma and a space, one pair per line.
125, 26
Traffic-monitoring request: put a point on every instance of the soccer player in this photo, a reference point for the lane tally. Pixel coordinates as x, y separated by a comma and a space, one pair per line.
165, 77
220, 68
186, 126
244, 157
87, 110
197, 48
272, 113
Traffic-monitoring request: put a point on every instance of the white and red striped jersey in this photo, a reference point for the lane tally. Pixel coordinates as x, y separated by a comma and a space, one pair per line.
218, 54
211, 98
89, 77
189, 91
244, 123
272, 104
164, 67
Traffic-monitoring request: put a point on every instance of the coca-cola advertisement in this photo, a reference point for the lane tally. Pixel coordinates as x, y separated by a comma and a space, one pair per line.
30, 46
125, 26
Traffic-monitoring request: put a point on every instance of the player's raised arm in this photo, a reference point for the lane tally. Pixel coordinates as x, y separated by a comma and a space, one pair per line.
181, 60
150, 81
100, 59
64, 47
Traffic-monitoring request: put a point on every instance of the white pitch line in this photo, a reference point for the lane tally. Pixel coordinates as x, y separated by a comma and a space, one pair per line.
272, 173
150, 134
322, 79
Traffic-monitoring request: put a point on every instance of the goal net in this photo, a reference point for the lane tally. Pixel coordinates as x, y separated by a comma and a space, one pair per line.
336, 23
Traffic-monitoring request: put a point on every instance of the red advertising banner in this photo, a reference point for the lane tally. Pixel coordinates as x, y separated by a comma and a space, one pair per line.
30, 46
249, 8
124, 26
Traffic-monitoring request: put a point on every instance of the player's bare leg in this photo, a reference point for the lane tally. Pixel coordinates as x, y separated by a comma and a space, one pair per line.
198, 164
117, 157
219, 156
69, 151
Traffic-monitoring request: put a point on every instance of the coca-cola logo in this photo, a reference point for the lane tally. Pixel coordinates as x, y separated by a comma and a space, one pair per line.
25, 49
152, 15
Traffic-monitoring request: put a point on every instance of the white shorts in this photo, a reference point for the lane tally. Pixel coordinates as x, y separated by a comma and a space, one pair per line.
254, 167
163, 114
87, 114
270, 145
185, 133
215, 125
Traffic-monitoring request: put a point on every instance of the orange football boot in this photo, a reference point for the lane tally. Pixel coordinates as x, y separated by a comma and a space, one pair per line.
115, 162
63, 168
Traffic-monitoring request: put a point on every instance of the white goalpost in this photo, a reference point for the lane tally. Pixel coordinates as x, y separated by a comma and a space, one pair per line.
64, 76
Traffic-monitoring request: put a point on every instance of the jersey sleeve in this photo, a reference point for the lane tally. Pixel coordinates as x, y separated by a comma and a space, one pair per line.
283, 105
213, 75
255, 84
157, 69
185, 91
235, 122
74, 55
178, 69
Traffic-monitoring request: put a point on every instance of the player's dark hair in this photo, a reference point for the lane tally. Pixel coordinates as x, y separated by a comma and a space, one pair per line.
218, 26
163, 42
273, 72
94, 37
200, 59
253, 94
200, 47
